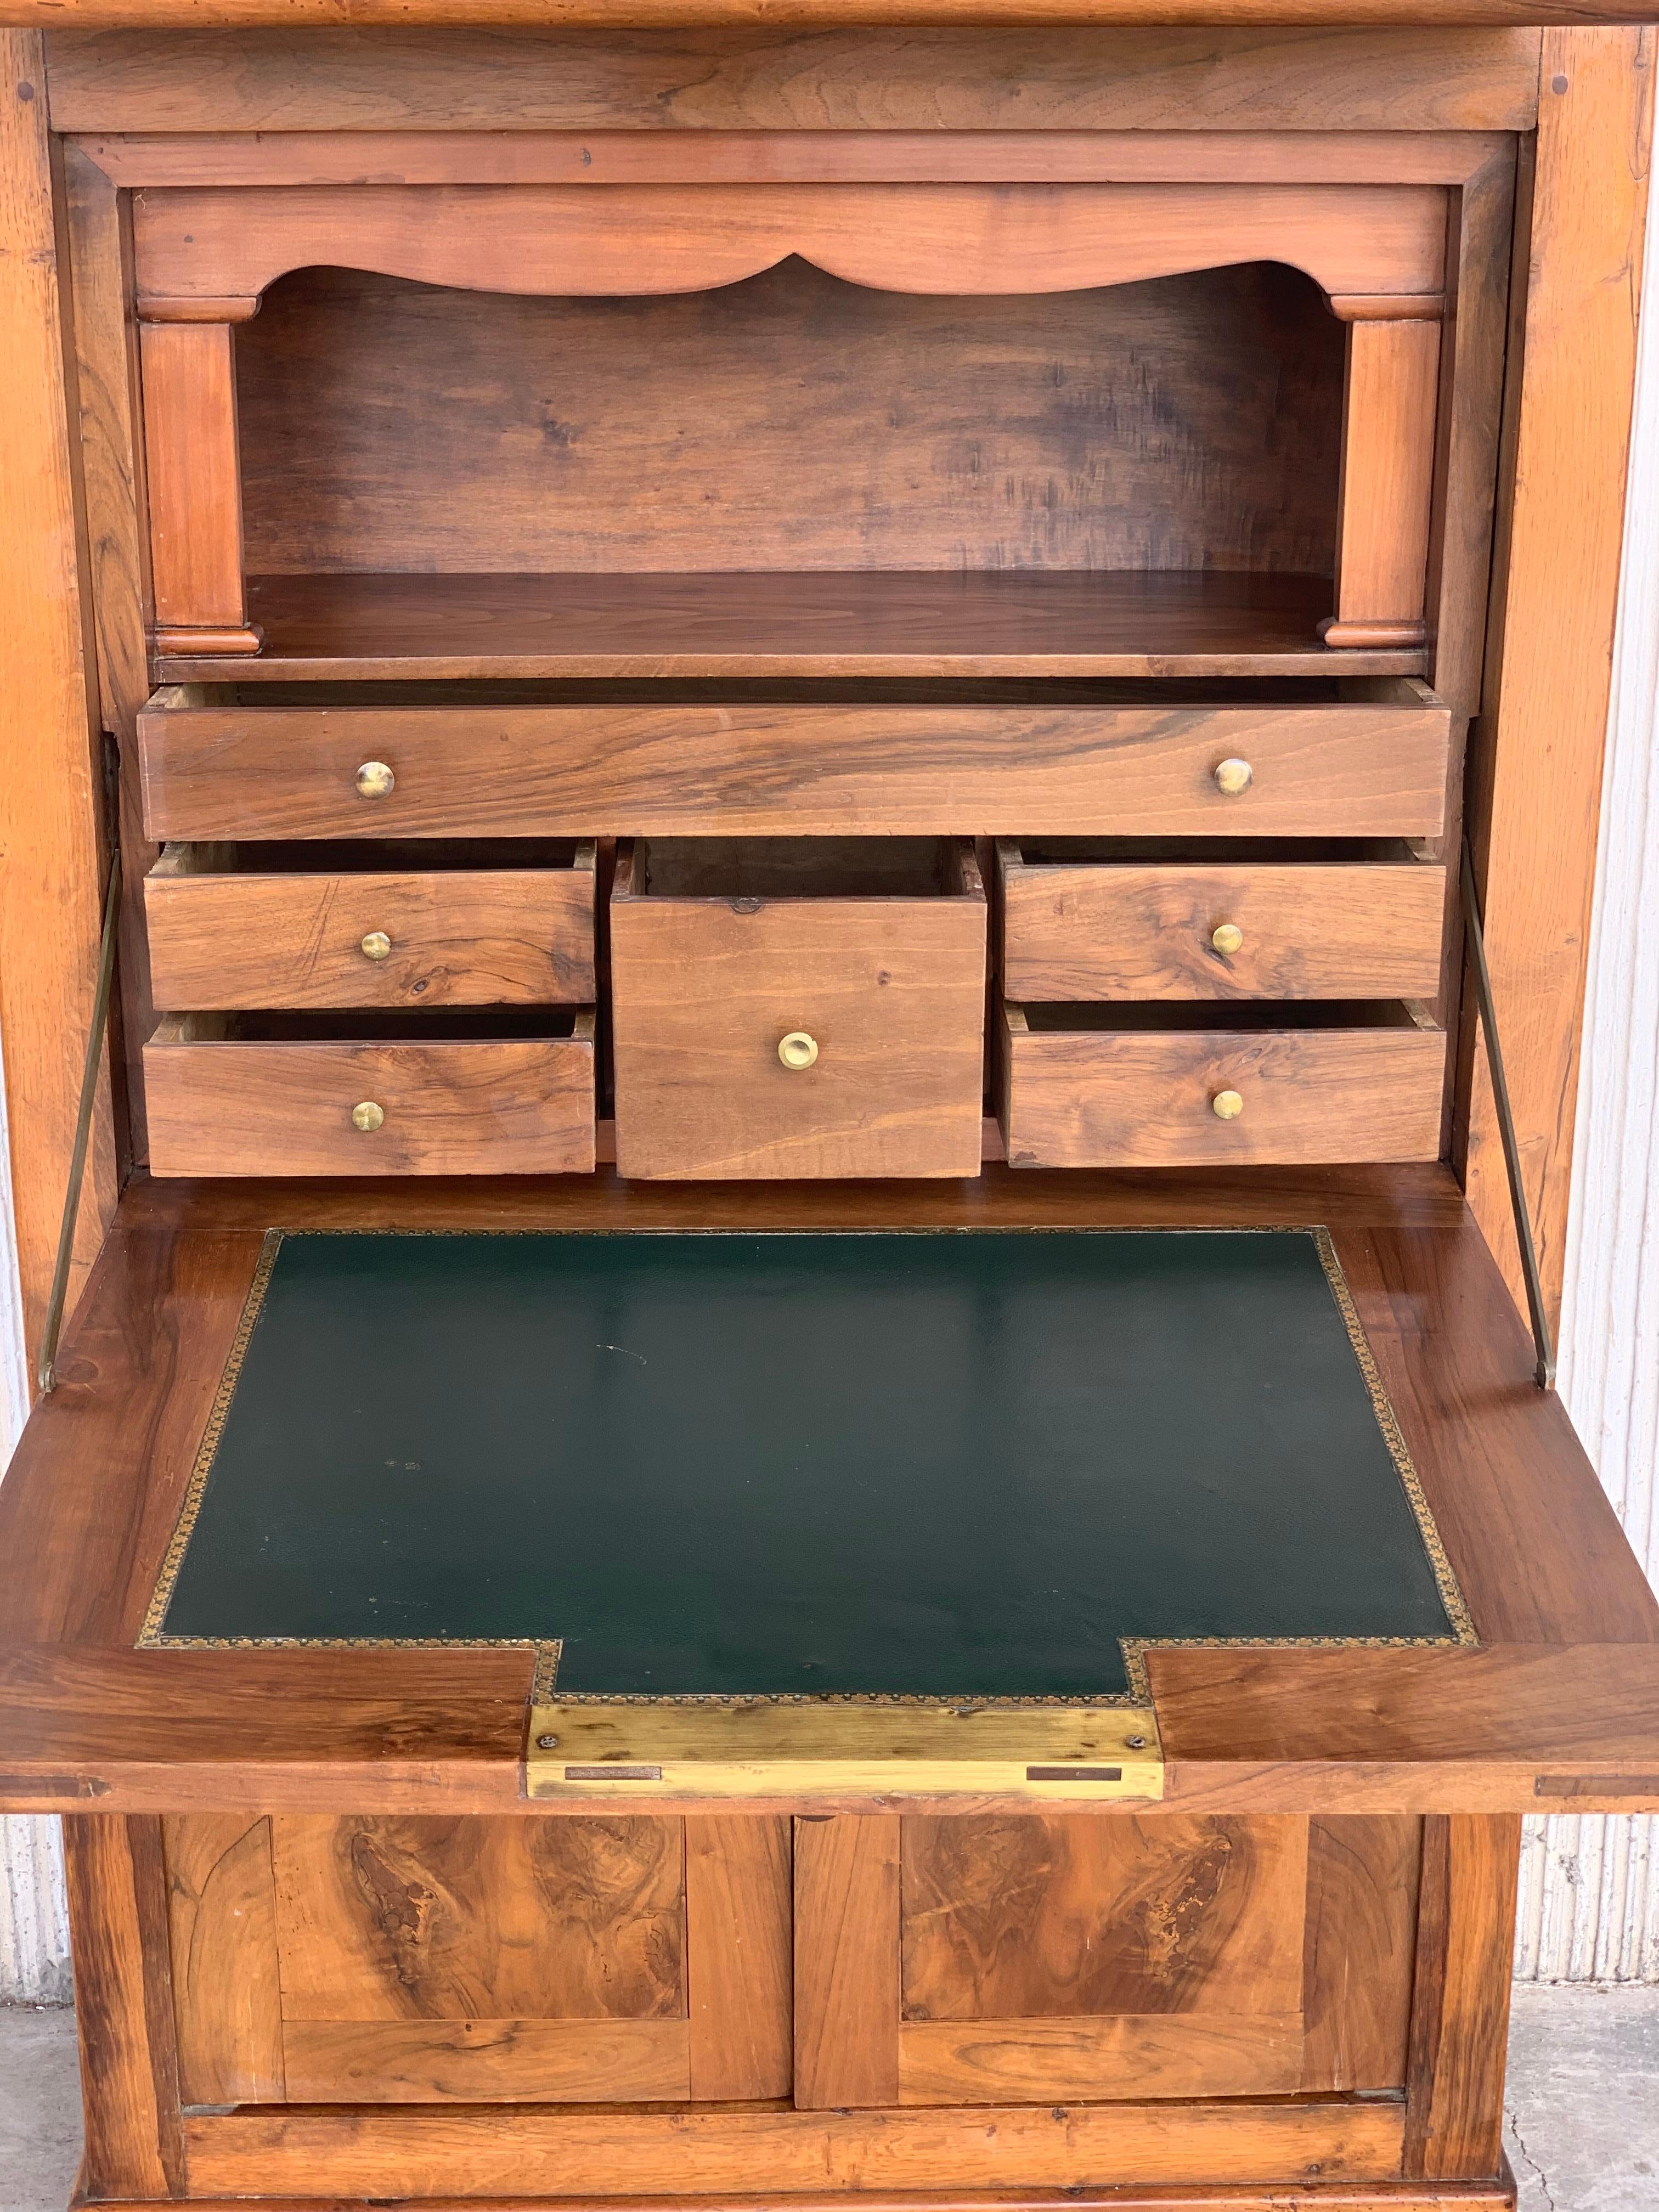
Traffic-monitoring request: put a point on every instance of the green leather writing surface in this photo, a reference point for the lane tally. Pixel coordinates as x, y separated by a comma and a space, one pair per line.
931, 1464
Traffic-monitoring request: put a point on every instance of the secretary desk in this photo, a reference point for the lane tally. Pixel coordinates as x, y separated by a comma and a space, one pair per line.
801, 802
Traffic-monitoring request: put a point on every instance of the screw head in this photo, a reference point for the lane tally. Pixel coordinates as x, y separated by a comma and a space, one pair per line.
1135, 1742
547, 1743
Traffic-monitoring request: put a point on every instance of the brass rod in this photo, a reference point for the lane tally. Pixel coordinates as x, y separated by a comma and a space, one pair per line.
1544, 1373
46, 1375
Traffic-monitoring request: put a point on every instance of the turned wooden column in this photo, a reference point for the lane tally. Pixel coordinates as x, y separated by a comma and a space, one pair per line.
1389, 405
187, 361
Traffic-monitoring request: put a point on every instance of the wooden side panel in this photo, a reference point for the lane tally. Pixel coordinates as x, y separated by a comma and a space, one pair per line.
846, 1962
1360, 1954
1460, 2011
1535, 791
456, 1920
1388, 476
122, 2007
50, 894
194, 472
221, 1925
1200, 77
739, 1906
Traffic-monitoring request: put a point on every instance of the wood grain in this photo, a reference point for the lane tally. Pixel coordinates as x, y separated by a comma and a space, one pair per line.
232, 936
51, 888
1387, 478
335, 2155
1460, 2018
827, 623
836, 428
1096, 1097
1129, 929
1368, 769
1163, 2055
739, 1920
478, 1106
1536, 785
846, 1964
116, 1882
208, 243
481, 1920
117, 569
221, 1927
480, 2062
891, 989
194, 476
750, 76
1359, 1952
1050, 1919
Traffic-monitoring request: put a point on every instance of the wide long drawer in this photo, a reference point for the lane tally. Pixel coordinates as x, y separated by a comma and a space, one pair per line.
1369, 765
1090, 1086
271, 1095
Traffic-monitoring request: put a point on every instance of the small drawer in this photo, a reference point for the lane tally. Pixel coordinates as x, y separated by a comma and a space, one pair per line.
800, 1007
1148, 760
234, 926
1091, 923
1133, 1087
371, 1094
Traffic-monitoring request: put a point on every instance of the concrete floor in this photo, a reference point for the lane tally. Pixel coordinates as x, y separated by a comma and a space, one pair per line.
1584, 2134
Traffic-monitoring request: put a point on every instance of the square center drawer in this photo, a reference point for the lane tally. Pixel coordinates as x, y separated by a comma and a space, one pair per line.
395, 925
800, 1007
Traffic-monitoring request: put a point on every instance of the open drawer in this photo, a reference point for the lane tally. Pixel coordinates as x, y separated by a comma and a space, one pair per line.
1362, 758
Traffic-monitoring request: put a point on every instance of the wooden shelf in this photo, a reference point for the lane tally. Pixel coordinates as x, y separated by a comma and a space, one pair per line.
795, 623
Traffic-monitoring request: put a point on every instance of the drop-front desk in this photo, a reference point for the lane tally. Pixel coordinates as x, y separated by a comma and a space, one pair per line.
800, 1469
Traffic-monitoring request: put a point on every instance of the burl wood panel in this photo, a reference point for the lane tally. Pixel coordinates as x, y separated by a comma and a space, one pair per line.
1359, 769
791, 421
1048, 1957
203, 244
1135, 929
1096, 1098
459, 937
892, 990
221, 1927
489, 1106
451, 1920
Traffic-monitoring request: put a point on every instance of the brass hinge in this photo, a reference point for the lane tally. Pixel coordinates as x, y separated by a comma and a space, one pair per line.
759, 1747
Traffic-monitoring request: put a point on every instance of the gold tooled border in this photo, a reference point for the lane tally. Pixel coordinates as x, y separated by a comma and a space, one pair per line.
548, 1652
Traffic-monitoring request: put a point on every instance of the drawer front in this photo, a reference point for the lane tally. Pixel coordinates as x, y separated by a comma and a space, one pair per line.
1145, 930
510, 1106
1371, 769
891, 991
494, 937
1144, 1098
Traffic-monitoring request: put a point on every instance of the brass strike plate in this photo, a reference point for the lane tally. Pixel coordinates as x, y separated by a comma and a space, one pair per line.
753, 1748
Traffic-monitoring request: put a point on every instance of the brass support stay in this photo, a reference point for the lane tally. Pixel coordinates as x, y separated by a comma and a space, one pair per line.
47, 1374
1544, 1373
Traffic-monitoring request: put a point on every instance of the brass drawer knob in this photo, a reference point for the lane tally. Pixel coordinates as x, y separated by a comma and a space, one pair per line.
375, 779
376, 945
368, 1117
1226, 1105
798, 1050
1232, 777
1226, 937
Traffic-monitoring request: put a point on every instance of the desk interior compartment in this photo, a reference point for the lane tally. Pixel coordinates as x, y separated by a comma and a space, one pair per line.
1189, 1085
488, 1090
407, 925
797, 1007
